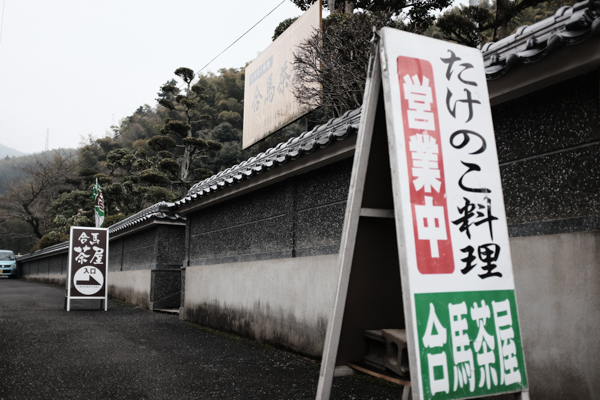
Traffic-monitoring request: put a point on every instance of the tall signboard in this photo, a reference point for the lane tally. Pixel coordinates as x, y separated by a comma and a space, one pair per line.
458, 290
88, 265
269, 103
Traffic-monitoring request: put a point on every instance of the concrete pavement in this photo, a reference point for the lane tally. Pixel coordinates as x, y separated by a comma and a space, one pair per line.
131, 353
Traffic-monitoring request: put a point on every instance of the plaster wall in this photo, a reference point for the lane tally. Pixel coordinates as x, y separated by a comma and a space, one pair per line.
283, 301
51, 266
170, 246
43, 266
56, 279
131, 286
557, 279
158, 246
58, 265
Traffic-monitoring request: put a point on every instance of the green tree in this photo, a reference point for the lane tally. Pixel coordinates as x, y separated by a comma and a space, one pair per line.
416, 14
488, 21
184, 127
70, 208
283, 25
137, 180
138, 172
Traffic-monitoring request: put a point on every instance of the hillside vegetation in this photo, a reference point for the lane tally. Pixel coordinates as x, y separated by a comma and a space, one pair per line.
156, 153
44, 194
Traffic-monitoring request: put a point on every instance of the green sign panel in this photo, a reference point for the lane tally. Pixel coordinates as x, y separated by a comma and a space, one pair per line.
469, 344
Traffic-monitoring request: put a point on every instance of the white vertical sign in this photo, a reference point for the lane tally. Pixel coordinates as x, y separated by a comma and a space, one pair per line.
460, 304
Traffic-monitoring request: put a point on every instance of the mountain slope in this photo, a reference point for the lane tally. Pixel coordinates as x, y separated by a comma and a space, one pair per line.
7, 151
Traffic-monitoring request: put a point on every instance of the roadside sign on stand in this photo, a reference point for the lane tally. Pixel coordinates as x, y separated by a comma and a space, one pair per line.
88, 265
458, 294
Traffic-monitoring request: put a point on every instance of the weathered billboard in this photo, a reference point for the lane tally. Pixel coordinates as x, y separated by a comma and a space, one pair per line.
269, 103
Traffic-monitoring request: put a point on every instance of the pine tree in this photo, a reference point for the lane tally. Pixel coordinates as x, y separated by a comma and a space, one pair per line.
183, 125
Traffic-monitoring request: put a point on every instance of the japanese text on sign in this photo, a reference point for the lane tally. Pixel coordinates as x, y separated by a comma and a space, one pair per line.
427, 192
83, 256
469, 343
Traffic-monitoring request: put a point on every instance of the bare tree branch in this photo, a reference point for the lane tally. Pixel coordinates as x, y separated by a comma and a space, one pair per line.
330, 68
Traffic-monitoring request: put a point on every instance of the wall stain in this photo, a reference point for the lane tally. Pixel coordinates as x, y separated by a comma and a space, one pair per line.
140, 299
262, 323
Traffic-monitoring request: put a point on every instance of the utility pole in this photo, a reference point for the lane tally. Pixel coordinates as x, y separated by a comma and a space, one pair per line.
47, 139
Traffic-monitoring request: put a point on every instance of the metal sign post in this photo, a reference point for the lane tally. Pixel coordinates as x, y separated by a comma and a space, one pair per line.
88, 265
426, 157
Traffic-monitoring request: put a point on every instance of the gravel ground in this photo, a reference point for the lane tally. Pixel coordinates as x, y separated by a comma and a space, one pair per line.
131, 353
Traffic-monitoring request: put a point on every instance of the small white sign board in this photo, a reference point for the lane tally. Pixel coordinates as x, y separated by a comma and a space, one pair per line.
458, 290
88, 265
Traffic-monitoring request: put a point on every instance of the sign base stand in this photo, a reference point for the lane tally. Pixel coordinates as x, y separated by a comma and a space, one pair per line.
67, 304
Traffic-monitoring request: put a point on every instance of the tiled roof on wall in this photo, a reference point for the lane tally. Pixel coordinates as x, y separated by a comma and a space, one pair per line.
568, 26
320, 137
162, 210
56, 248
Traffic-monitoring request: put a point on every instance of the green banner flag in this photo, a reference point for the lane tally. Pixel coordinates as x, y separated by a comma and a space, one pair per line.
98, 204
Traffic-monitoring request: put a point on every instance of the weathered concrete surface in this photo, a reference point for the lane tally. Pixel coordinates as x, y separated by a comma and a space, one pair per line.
557, 280
165, 289
131, 286
130, 353
548, 150
301, 216
284, 301
158, 246
56, 279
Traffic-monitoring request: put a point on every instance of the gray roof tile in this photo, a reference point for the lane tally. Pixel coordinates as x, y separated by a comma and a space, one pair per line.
529, 44
162, 210
308, 142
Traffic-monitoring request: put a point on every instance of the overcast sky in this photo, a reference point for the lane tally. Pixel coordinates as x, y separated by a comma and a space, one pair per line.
76, 67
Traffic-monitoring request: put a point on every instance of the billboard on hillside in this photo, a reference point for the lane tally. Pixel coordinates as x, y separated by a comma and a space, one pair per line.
269, 103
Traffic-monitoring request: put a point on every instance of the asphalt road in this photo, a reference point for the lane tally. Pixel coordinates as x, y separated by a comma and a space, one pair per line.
131, 353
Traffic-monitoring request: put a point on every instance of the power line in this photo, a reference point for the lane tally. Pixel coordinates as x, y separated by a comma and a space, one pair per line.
253, 26
217, 56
